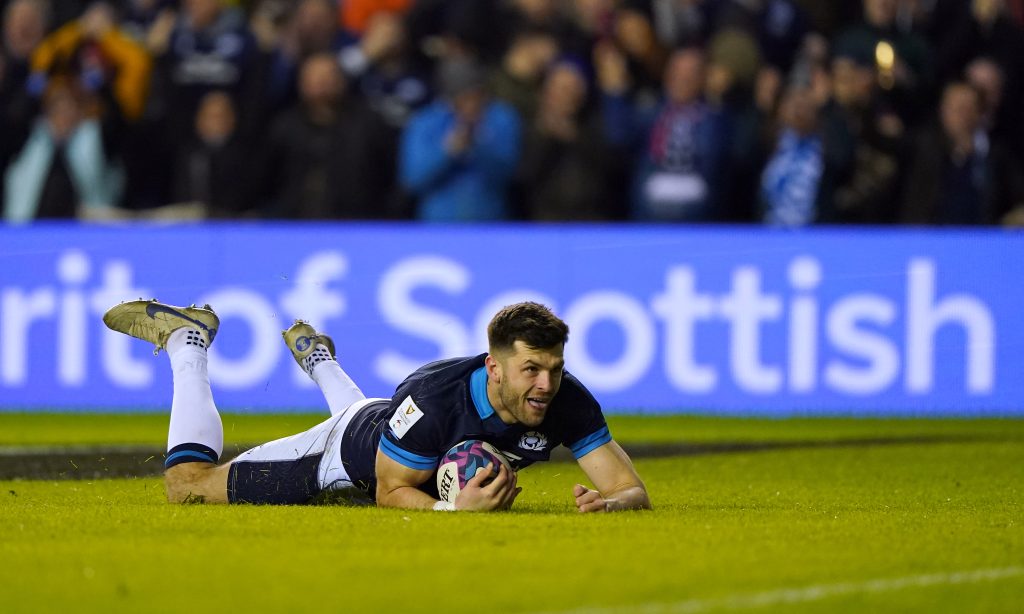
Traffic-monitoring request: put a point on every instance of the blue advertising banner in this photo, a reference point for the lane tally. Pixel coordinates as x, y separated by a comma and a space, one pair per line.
663, 319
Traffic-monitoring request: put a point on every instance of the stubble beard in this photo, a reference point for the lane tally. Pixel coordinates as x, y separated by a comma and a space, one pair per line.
517, 406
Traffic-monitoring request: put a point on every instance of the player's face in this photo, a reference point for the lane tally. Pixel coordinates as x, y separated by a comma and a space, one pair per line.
525, 381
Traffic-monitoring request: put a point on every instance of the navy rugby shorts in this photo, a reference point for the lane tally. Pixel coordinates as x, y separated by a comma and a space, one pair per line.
294, 469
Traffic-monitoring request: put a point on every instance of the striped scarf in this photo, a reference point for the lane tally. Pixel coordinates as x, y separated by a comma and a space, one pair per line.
789, 184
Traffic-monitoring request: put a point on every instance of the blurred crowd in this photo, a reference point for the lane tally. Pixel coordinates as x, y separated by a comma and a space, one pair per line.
780, 112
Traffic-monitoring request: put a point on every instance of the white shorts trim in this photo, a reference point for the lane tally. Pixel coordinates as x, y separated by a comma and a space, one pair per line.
332, 474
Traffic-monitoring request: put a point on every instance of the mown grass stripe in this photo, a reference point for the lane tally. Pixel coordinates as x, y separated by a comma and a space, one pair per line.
815, 592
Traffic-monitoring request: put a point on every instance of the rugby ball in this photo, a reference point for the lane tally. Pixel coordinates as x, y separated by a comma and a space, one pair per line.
461, 463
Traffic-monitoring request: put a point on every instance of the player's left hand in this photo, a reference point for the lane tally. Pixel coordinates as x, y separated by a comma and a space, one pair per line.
588, 500
482, 493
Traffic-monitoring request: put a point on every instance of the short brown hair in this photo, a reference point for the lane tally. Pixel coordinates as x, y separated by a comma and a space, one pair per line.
529, 322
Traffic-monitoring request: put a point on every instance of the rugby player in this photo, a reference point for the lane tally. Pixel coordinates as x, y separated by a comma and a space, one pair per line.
517, 396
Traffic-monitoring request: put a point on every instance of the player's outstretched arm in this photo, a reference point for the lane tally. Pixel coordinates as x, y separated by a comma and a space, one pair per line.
619, 487
398, 486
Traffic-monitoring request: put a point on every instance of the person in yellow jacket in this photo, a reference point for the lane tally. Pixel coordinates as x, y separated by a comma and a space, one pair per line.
93, 47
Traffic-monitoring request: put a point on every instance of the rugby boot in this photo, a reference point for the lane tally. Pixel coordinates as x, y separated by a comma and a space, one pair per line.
303, 341
154, 321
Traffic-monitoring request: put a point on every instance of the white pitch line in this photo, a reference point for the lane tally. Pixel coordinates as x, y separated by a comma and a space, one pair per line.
808, 593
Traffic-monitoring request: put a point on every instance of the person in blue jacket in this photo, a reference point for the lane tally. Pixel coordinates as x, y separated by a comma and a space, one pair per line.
458, 155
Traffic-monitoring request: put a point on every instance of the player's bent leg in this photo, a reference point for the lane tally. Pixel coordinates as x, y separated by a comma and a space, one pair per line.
197, 483
315, 354
195, 436
295, 469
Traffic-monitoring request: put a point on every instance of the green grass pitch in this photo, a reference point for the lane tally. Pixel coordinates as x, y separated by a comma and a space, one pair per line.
804, 515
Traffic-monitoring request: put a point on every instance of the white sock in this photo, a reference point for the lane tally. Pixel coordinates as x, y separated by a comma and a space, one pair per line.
337, 387
195, 423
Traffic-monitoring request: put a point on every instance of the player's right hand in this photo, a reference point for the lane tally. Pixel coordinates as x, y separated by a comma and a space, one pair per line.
479, 495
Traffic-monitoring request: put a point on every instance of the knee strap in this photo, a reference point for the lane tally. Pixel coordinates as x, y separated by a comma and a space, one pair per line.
190, 453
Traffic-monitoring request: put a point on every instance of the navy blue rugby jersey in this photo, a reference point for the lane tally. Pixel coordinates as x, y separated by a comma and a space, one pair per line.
445, 402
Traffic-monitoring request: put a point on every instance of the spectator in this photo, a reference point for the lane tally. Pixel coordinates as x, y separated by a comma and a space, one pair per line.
328, 156
458, 155
518, 78
355, 16
984, 28
865, 141
568, 170
780, 27
205, 47
390, 78
905, 71
681, 144
690, 136
64, 169
209, 48
211, 166
536, 15
24, 24
139, 16
97, 52
309, 30
734, 62
959, 176
1003, 117
682, 23
589, 22
271, 20
644, 55
458, 27
792, 177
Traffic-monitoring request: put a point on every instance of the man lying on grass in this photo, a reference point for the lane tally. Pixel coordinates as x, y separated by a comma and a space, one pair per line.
517, 397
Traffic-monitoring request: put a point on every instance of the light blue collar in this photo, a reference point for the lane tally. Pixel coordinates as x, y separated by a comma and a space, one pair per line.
478, 390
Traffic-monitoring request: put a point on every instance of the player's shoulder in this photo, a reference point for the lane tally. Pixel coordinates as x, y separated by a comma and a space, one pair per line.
441, 372
442, 381
573, 389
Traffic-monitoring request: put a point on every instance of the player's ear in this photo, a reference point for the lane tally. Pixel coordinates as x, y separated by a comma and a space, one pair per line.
493, 369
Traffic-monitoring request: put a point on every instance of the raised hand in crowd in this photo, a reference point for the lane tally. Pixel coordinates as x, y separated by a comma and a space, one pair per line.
159, 36
384, 36
611, 68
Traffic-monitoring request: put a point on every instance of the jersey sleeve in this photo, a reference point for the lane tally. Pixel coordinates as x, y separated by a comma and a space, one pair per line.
413, 436
588, 444
586, 429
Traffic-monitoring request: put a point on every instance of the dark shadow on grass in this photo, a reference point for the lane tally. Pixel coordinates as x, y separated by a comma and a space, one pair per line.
98, 462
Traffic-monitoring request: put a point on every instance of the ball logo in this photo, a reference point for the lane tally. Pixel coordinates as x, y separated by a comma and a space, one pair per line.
444, 489
302, 343
533, 440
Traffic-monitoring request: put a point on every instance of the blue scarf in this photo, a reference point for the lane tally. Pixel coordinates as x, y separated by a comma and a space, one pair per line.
789, 184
